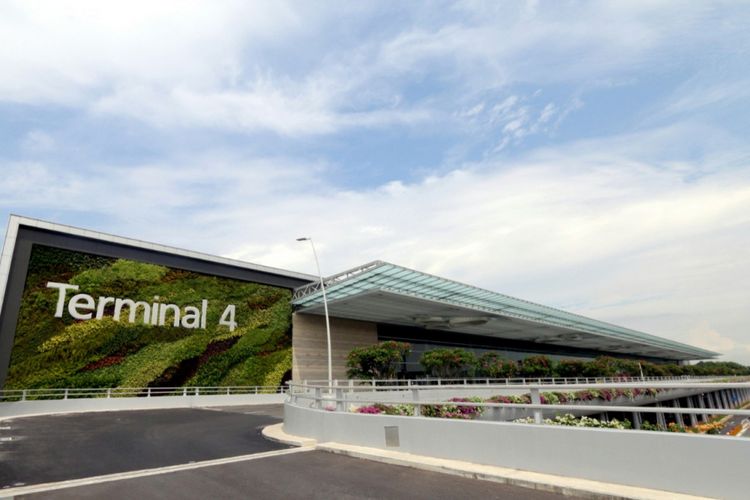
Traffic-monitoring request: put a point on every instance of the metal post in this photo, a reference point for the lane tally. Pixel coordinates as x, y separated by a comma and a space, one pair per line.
23, 395
318, 401
65, 396
536, 399
339, 399
148, 393
325, 309
417, 406
109, 392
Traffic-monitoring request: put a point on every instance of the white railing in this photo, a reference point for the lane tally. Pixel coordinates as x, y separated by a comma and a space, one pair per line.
511, 381
339, 398
12, 395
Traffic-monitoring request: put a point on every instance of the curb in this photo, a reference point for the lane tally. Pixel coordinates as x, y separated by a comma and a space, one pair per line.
566, 486
276, 433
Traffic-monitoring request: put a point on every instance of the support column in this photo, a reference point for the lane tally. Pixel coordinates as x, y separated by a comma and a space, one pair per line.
693, 419
660, 420
716, 400
702, 404
678, 416
637, 420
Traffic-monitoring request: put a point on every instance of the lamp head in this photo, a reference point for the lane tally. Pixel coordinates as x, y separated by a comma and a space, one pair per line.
303, 239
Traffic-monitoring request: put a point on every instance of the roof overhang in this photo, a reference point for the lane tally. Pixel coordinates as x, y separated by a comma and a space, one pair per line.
381, 292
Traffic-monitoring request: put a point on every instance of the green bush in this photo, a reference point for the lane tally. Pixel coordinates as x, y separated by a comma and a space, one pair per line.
570, 368
535, 366
380, 361
492, 365
449, 363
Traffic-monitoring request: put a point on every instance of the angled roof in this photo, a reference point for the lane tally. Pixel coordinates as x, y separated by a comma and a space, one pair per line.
386, 293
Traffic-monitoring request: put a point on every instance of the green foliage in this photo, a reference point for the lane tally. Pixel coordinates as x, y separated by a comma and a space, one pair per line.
449, 363
379, 361
492, 365
536, 366
583, 421
120, 275
61, 352
570, 368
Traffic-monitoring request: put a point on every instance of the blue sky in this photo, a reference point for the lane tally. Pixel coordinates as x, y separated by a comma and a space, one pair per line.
588, 155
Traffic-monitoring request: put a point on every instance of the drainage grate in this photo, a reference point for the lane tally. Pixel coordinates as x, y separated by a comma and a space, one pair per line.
391, 436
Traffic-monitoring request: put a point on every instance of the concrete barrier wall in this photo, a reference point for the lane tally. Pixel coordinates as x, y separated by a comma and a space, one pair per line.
45, 407
700, 465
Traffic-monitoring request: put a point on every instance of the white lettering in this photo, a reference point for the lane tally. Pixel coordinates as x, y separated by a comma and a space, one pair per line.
191, 318
63, 288
103, 301
204, 313
227, 318
82, 301
163, 314
81, 306
133, 308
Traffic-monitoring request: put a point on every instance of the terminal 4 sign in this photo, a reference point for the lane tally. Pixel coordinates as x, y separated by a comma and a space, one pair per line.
82, 306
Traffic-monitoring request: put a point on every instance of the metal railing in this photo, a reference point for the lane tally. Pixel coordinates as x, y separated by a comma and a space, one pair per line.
467, 381
338, 398
12, 395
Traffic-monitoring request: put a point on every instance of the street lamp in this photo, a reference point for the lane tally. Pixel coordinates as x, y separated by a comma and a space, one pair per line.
325, 308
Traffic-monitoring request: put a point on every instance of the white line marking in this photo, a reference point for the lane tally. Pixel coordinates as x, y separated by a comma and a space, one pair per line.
38, 488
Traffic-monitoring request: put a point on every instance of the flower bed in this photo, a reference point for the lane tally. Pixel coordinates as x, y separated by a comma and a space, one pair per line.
584, 421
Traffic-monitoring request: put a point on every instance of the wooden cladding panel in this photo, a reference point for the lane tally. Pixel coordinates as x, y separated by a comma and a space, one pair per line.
310, 359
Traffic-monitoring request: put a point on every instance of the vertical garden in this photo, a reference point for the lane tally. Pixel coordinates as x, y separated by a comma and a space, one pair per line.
107, 350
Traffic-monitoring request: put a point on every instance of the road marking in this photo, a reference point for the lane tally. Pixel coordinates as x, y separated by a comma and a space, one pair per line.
38, 488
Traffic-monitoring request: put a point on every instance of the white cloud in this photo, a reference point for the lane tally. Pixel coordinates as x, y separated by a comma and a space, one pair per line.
639, 243
246, 66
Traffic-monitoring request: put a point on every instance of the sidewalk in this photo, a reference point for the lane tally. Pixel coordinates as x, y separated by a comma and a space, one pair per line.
579, 488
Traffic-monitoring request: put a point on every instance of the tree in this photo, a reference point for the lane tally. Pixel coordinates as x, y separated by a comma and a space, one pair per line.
449, 363
379, 361
536, 366
492, 365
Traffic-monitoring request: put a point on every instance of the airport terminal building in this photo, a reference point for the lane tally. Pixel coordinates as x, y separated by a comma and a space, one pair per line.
81, 308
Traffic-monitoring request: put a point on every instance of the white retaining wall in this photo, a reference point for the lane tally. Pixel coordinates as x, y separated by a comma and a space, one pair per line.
700, 465
78, 405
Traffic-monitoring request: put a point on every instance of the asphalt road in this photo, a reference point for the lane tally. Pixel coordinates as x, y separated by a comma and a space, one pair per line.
732, 423
64, 447
308, 475
61, 447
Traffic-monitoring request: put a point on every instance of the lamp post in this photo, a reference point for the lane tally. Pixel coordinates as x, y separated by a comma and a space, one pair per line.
325, 308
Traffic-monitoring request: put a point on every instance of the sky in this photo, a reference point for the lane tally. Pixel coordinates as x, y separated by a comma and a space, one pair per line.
591, 156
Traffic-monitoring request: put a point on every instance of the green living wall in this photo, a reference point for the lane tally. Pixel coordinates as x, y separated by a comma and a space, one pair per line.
65, 352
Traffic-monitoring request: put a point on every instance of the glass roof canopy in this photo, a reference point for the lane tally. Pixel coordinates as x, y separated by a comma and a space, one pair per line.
387, 293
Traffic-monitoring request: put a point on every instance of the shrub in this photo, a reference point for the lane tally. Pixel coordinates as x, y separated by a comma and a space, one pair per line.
570, 368
536, 366
381, 360
465, 412
448, 363
492, 365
